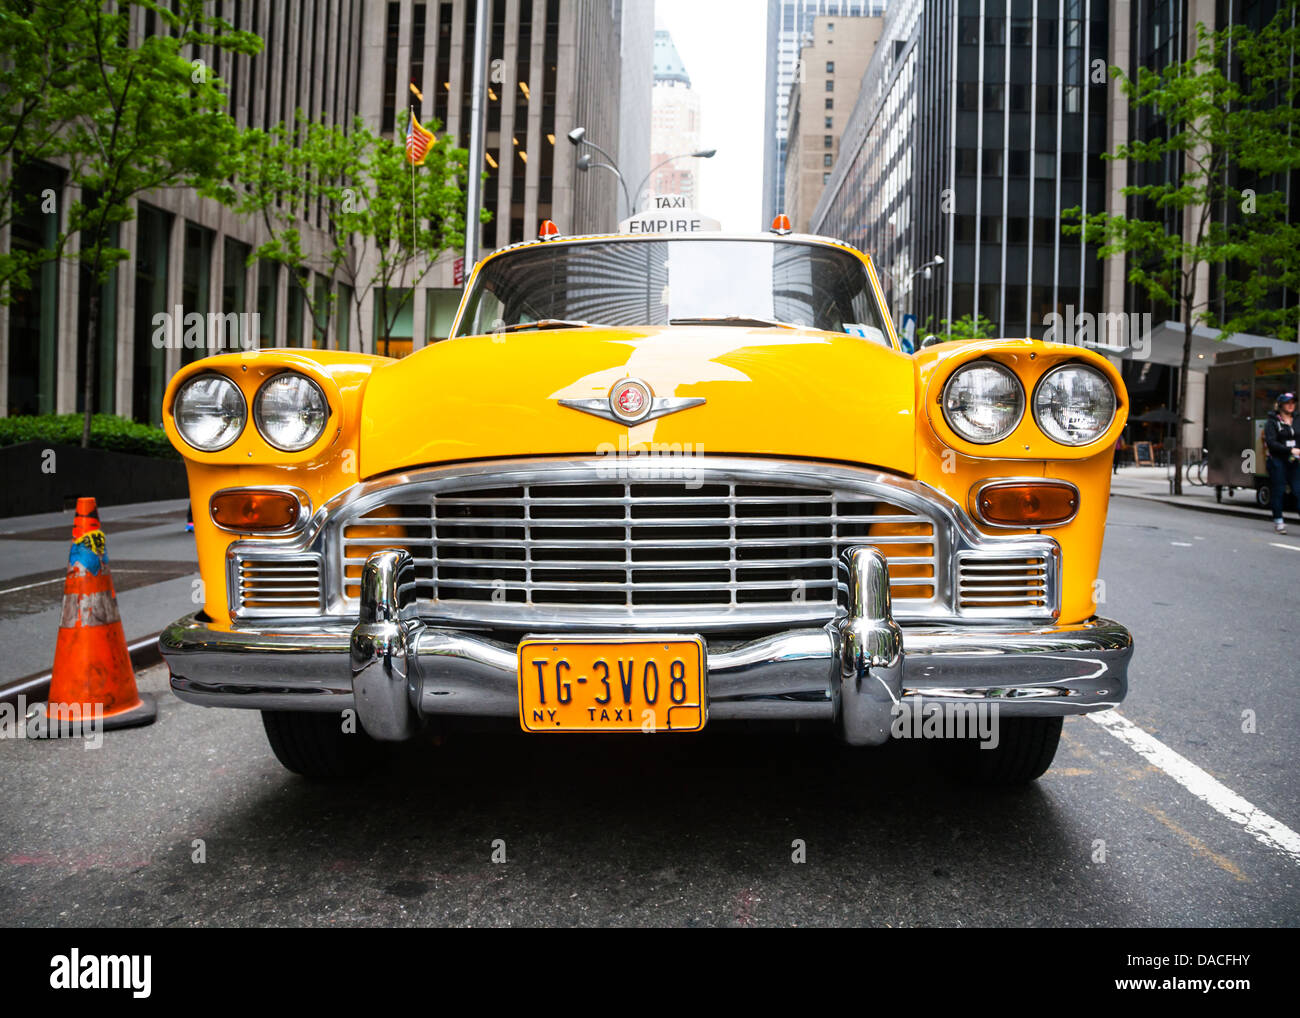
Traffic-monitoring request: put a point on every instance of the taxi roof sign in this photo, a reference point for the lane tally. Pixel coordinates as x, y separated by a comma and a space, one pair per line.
668, 213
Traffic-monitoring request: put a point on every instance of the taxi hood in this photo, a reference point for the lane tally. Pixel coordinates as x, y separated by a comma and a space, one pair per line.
766, 391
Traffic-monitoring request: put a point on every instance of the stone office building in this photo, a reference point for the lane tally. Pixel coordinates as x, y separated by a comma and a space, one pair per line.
555, 64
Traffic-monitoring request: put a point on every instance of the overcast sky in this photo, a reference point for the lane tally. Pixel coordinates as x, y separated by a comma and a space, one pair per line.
722, 42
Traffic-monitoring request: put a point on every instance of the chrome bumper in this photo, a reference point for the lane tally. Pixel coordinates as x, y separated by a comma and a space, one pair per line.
394, 669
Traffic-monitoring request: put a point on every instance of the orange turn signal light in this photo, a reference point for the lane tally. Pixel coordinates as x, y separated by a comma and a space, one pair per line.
1027, 504
255, 509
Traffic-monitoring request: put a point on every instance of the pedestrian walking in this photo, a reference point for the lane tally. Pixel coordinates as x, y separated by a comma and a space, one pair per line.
1283, 454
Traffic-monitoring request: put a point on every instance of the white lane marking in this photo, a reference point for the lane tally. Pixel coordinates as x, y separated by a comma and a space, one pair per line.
1181, 544
1258, 824
1289, 547
29, 586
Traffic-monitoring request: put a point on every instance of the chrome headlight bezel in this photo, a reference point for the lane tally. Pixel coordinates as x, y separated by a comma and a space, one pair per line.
984, 364
1080, 366
258, 411
178, 400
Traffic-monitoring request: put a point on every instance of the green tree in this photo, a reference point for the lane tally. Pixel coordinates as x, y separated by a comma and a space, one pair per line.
1230, 117
965, 327
369, 193
133, 118
37, 64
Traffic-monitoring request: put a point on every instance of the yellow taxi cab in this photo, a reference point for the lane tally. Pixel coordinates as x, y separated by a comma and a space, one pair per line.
654, 483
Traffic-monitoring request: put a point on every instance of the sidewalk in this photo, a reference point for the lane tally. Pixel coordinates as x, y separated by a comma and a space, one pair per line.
1152, 484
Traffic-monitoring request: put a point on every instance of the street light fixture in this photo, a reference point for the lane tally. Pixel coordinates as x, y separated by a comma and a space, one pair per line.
578, 136
707, 153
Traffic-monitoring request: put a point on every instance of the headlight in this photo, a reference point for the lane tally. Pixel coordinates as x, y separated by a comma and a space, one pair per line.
290, 411
983, 402
1074, 404
210, 412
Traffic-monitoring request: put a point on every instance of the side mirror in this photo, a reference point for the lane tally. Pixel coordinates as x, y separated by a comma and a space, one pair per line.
930, 340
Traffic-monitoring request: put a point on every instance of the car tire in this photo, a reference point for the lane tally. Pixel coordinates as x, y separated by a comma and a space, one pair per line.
316, 746
1025, 749
1264, 496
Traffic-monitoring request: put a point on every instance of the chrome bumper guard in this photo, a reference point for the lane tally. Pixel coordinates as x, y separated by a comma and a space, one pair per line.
395, 669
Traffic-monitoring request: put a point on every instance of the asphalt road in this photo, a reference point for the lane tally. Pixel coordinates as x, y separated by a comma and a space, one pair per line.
700, 830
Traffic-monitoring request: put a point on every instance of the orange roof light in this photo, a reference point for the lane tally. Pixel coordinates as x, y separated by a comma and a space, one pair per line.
255, 509
1027, 503
781, 224
547, 230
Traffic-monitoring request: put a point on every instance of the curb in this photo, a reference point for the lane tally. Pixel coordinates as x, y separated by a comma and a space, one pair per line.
144, 654
1241, 512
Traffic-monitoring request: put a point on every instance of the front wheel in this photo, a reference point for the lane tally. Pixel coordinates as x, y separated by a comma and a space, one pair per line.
1023, 751
1264, 495
320, 745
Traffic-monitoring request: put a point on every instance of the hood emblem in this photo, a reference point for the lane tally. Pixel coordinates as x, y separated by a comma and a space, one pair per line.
632, 401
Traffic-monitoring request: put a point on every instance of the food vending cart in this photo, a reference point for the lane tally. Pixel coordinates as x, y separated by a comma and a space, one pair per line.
1240, 391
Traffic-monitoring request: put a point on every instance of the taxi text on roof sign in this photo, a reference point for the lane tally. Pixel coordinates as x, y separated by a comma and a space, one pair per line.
668, 213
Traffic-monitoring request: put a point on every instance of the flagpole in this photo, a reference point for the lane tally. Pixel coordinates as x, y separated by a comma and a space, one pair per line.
412, 162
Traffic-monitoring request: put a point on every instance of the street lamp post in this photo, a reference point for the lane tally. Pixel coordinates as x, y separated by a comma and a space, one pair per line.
707, 153
578, 136
925, 270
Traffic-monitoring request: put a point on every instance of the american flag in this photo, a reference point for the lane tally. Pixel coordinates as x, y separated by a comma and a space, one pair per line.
418, 140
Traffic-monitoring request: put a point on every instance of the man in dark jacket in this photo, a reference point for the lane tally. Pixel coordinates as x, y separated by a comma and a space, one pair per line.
1283, 454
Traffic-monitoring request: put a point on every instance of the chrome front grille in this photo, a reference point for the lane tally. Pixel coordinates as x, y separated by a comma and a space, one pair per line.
587, 545
619, 546
274, 586
996, 585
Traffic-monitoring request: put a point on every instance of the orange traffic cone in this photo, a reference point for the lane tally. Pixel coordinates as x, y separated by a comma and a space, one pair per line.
92, 667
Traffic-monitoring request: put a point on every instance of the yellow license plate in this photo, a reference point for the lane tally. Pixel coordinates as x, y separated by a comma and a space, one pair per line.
612, 685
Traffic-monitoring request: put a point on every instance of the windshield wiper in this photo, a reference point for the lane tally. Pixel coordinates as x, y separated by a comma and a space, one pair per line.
732, 320
546, 323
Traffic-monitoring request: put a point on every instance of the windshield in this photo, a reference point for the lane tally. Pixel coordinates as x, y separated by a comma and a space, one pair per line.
664, 282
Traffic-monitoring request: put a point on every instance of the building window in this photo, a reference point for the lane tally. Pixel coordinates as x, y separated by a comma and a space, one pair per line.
968, 30
991, 229
830, 66
196, 275
830, 104
293, 313
993, 162
827, 159
830, 84
993, 97
826, 178
153, 241
967, 162
968, 95
994, 29
344, 332
1022, 32
829, 122
440, 311
963, 227
234, 291
1020, 98
268, 299
828, 141
830, 26
394, 321
1044, 165
1018, 163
